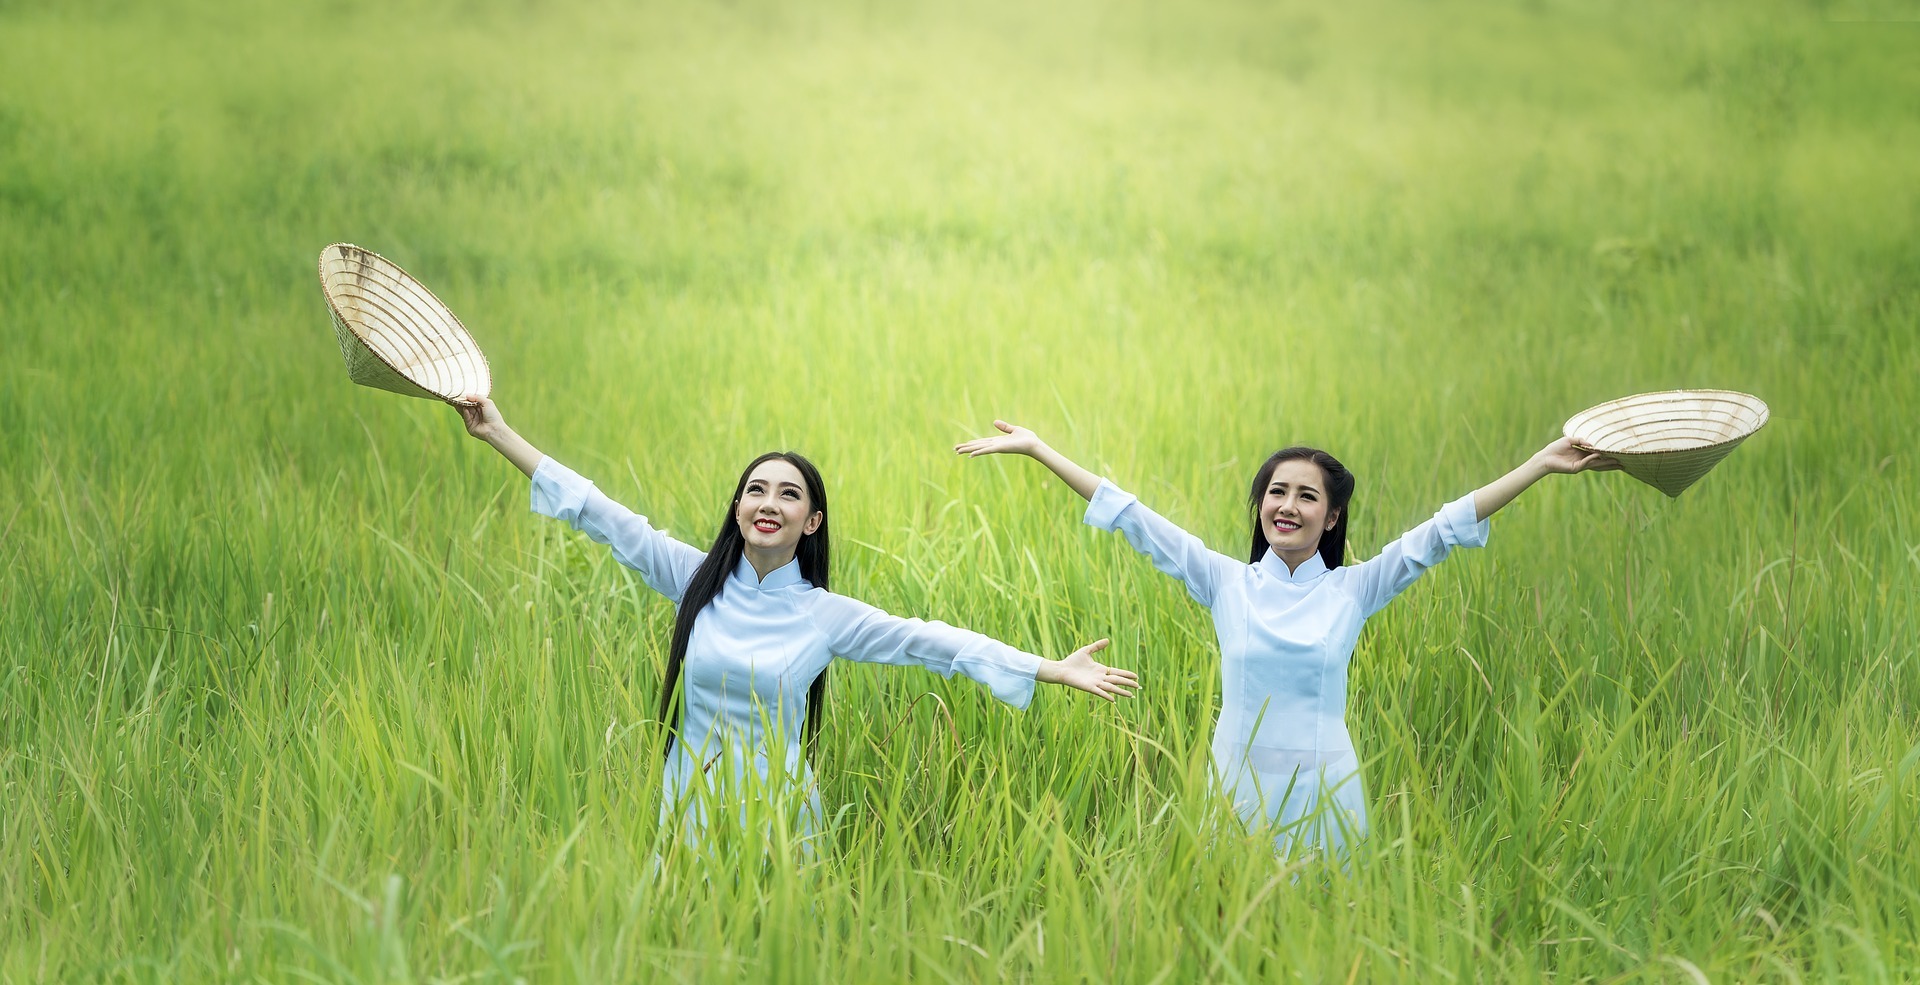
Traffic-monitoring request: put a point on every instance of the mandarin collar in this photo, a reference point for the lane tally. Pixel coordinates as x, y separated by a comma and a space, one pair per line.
1313, 567
784, 576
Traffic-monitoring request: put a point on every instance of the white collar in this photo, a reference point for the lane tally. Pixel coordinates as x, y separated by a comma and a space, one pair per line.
784, 576
1313, 567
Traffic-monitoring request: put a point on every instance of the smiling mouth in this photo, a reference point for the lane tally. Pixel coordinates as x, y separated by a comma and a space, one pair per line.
1285, 526
766, 526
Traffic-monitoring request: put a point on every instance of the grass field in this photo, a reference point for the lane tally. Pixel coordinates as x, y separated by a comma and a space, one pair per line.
293, 687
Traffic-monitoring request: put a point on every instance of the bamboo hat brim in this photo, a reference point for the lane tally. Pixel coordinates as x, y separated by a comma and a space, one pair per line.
394, 334
1669, 439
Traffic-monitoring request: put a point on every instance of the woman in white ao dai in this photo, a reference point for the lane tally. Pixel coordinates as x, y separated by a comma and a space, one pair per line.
1287, 619
756, 628
1281, 750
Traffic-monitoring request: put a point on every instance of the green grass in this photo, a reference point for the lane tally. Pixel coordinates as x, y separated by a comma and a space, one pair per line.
292, 687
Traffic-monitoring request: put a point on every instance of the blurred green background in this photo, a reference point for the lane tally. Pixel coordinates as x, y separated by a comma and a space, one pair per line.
293, 687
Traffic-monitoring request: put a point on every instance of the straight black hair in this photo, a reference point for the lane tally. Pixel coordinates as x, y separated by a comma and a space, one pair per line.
1340, 482
711, 576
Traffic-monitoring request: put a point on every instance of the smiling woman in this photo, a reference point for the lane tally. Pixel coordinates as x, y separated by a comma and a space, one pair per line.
756, 627
1288, 618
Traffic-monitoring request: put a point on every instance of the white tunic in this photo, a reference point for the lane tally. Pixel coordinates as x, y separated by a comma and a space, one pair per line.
1282, 752
754, 651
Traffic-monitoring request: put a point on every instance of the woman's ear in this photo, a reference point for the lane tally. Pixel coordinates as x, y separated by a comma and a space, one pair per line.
813, 522
1333, 517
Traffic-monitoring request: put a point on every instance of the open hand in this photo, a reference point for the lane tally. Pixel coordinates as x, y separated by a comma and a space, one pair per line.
1080, 670
1566, 458
1017, 441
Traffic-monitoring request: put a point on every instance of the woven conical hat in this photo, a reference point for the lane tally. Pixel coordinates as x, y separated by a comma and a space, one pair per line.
394, 333
1669, 439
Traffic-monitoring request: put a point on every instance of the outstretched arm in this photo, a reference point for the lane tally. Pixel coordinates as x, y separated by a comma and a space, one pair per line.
1020, 441
1173, 550
858, 631
1562, 457
1462, 523
483, 421
665, 564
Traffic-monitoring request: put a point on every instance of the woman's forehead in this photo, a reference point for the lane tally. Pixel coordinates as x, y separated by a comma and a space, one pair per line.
775, 471
1299, 472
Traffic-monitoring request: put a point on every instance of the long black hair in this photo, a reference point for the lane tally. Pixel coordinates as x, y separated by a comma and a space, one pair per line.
728, 546
1333, 542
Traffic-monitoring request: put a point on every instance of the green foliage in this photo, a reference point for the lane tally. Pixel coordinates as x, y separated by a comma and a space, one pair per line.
293, 687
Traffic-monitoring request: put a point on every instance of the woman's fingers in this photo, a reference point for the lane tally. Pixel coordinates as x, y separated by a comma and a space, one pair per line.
1013, 439
1111, 682
1598, 462
1108, 686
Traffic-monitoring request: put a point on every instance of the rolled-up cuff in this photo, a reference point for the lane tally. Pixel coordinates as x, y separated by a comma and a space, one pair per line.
1007, 672
558, 491
1459, 527
1108, 502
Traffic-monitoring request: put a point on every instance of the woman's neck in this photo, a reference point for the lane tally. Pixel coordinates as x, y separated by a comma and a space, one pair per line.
767, 562
1294, 559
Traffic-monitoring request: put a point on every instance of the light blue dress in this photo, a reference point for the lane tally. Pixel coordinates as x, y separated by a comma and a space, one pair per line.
754, 652
1282, 753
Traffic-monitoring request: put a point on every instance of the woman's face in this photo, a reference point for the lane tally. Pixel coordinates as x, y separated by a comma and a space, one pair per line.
1294, 511
775, 508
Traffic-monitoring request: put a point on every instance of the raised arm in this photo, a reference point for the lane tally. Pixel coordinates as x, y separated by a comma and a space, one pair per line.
858, 631
483, 421
1562, 457
1462, 523
665, 564
1020, 441
1172, 549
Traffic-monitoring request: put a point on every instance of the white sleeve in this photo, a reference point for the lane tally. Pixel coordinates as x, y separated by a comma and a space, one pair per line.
1374, 582
1172, 549
665, 564
858, 631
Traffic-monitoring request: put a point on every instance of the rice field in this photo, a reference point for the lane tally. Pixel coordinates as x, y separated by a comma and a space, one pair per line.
293, 687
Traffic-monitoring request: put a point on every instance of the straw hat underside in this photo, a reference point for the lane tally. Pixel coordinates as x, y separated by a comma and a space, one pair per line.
393, 333
1669, 440
1673, 472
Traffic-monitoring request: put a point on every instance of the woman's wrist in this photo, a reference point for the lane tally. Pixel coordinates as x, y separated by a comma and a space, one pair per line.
497, 435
